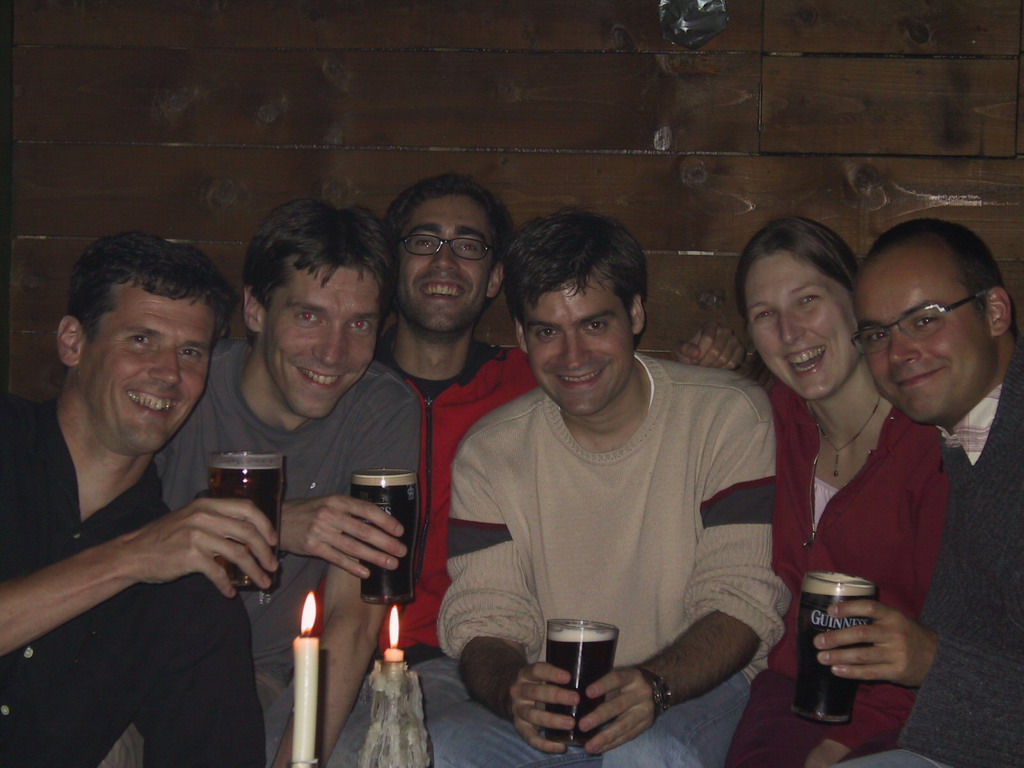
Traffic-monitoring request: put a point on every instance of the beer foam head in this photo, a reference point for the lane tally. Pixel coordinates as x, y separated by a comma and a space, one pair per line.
245, 460
577, 631
831, 583
384, 477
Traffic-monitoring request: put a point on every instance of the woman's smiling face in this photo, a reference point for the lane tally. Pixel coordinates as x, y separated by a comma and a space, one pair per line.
801, 322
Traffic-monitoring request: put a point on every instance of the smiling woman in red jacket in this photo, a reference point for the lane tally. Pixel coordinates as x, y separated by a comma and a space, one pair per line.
859, 487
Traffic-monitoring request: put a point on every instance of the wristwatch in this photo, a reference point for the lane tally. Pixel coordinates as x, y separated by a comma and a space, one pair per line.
661, 694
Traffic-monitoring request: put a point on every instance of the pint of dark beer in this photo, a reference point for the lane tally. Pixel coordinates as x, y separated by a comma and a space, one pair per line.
258, 477
820, 695
394, 491
586, 649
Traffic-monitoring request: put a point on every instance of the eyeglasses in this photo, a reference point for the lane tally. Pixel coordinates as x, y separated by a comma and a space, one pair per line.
916, 323
463, 247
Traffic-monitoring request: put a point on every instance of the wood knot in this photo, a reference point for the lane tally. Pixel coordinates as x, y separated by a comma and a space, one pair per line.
807, 15
338, 192
711, 299
270, 112
336, 73
168, 105
222, 193
507, 92
867, 188
332, 68
866, 178
622, 40
694, 174
917, 30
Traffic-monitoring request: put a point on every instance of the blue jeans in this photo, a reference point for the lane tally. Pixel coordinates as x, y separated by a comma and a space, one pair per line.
898, 758
694, 734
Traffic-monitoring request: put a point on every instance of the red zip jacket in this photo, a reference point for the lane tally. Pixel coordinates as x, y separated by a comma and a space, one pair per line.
492, 377
884, 525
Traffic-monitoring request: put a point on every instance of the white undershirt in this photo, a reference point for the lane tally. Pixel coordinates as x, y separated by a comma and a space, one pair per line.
823, 493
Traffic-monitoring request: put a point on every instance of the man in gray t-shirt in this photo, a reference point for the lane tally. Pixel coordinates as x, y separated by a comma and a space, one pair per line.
316, 282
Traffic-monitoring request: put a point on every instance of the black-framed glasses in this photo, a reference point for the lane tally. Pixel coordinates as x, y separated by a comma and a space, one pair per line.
463, 247
916, 323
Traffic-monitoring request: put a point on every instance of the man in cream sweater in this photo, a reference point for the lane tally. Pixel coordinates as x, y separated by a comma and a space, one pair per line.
627, 490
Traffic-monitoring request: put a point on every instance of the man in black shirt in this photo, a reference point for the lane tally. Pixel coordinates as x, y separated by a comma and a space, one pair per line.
104, 616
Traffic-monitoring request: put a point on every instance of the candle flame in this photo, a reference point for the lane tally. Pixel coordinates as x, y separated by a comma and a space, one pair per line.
393, 626
308, 615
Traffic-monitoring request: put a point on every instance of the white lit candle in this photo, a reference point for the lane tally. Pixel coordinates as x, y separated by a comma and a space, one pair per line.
307, 662
394, 654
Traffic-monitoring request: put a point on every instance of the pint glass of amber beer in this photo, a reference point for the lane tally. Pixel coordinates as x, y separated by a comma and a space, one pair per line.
258, 477
393, 491
820, 695
586, 649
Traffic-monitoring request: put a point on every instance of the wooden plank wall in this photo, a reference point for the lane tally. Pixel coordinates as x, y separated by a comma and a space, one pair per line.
192, 118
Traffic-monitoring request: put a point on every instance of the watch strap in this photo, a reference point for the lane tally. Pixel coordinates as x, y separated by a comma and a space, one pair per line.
661, 694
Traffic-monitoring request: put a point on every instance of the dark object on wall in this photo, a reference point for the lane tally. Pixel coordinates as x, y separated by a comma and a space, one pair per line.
692, 23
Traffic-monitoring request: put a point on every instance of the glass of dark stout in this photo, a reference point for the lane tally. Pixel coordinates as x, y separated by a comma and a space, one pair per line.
586, 649
393, 491
258, 477
820, 695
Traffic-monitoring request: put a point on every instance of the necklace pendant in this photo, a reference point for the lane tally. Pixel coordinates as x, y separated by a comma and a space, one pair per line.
848, 443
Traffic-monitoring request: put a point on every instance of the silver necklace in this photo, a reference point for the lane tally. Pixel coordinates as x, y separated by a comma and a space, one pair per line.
848, 443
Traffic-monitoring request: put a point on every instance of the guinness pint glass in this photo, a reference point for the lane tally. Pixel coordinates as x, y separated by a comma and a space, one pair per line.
587, 650
258, 477
394, 491
820, 695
